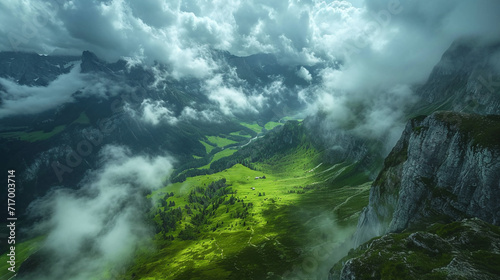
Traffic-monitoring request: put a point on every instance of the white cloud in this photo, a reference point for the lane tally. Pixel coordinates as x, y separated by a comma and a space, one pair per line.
304, 74
20, 99
191, 114
25, 100
152, 112
98, 228
231, 98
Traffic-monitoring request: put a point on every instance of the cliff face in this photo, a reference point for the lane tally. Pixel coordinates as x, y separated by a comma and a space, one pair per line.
445, 167
466, 79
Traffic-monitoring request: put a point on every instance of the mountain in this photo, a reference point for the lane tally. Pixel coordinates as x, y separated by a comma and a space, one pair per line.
264, 196
59, 145
445, 168
466, 79
33, 69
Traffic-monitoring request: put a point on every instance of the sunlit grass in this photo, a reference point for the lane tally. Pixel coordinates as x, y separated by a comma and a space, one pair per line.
271, 125
219, 155
220, 141
253, 126
240, 133
23, 251
208, 147
297, 191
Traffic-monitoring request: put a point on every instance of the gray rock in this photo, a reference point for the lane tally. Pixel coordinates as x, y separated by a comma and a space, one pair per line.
438, 171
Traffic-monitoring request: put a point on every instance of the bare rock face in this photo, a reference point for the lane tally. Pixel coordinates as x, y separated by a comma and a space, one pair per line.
445, 167
466, 79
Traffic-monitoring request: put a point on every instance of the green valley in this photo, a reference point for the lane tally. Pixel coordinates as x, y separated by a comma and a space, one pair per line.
252, 223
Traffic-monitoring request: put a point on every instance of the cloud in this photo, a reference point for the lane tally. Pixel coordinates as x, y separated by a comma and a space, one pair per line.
207, 115
96, 230
25, 100
304, 74
21, 99
230, 94
154, 112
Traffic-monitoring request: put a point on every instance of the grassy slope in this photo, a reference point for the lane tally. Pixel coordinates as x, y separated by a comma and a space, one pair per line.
23, 251
39, 135
208, 147
240, 133
271, 125
253, 126
220, 141
249, 248
299, 191
219, 155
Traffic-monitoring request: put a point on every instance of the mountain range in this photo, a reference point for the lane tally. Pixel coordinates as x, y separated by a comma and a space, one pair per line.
258, 196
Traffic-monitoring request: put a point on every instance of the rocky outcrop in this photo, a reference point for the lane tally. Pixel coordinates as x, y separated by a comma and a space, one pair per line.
445, 167
469, 249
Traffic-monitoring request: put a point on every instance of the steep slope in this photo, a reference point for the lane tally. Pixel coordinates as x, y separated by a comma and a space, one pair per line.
466, 79
445, 167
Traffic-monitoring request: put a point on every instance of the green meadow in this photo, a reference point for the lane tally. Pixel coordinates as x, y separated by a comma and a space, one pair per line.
251, 227
219, 155
220, 141
271, 125
253, 126
23, 251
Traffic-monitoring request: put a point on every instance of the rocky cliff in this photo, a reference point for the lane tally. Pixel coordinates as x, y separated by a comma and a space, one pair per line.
433, 204
445, 167
466, 79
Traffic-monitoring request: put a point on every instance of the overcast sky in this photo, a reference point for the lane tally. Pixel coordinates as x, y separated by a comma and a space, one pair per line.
383, 46
180, 32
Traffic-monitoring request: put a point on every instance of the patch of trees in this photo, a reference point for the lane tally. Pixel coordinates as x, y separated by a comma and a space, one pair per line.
169, 219
188, 233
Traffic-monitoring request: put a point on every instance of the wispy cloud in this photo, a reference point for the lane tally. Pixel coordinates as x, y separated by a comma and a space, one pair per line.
95, 230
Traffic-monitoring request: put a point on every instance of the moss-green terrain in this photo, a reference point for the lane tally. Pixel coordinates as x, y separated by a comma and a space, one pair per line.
271, 125
219, 155
244, 223
23, 251
484, 130
253, 126
220, 141
460, 250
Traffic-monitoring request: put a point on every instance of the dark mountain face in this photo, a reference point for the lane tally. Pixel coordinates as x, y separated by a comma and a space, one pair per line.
433, 209
466, 79
32, 69
444, 168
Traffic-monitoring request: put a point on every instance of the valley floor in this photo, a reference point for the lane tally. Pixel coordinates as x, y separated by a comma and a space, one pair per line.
262, 224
